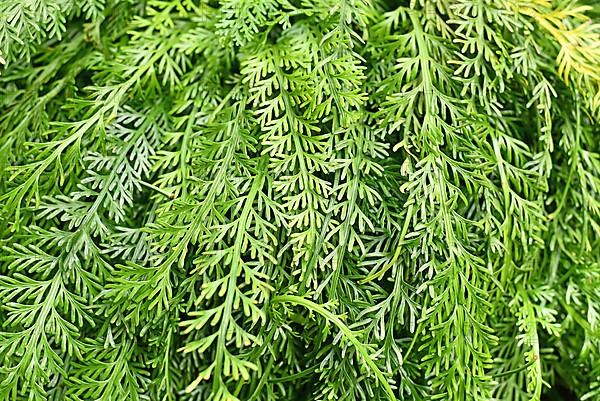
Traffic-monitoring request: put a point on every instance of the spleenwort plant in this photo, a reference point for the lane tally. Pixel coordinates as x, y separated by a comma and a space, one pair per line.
256, 200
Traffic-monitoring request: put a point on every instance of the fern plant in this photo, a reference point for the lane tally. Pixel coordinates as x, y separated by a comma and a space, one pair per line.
257, 200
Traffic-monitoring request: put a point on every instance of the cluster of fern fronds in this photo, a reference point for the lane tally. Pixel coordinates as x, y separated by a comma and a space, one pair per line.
263, 200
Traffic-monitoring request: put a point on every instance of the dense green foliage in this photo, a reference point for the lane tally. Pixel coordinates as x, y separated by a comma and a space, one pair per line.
264, 200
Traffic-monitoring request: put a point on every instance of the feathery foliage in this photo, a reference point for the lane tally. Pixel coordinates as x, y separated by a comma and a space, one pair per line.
258, 200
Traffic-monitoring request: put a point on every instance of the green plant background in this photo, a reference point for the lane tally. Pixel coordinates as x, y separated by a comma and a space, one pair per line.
299, 200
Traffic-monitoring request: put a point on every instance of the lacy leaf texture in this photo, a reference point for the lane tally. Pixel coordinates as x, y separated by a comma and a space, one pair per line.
304, 200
